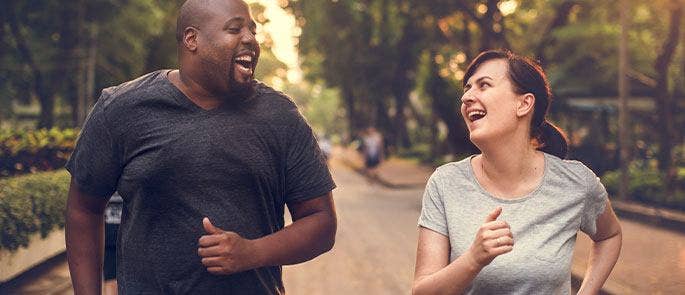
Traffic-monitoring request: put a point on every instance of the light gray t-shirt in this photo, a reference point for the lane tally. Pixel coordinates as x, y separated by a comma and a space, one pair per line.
544, 223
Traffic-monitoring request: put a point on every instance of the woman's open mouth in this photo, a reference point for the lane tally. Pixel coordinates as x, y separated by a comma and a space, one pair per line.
475, 115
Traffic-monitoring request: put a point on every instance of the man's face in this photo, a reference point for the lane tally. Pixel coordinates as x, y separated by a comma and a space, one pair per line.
228, 49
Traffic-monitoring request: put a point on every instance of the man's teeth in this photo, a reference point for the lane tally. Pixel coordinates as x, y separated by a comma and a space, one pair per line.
245, 58
244, 68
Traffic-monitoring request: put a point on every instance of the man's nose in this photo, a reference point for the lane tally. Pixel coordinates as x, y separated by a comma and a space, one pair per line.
248, 38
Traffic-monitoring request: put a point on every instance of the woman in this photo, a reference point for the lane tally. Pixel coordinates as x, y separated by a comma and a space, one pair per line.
505, 221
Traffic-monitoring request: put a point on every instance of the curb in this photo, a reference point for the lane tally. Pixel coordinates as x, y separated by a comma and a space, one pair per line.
663, 218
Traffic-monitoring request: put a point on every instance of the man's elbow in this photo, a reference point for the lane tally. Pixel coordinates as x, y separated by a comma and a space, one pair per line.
329, 235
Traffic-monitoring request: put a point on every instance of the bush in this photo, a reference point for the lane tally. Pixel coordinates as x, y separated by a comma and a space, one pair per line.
24, 151
646, 184
31, 203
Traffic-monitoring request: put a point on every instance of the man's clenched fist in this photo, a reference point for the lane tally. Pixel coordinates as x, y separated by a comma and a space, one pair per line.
225, 252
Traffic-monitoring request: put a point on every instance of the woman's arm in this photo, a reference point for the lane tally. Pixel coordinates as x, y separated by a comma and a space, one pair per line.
435, 275
605, 250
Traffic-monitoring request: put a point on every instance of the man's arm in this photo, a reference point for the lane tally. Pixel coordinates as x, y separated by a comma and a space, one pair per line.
311, 234
85, 239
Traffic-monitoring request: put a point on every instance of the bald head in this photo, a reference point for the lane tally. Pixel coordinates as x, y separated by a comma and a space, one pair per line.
194, 13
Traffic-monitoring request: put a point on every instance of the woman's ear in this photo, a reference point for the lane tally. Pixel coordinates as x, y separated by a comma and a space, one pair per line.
526, 104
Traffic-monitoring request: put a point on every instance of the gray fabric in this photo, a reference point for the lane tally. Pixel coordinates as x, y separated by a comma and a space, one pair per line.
544, 224
174, 163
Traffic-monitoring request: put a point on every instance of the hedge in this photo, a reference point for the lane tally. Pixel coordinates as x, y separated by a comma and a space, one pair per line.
31, 203
27, 151
646, 185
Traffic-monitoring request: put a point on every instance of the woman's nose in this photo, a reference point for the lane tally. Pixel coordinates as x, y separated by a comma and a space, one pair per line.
467, 98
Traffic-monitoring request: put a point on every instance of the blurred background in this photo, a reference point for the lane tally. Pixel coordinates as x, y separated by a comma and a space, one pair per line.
617, 70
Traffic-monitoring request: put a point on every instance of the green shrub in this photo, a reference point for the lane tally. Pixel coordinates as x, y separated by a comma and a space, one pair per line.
30, 204
25, 151
646, 184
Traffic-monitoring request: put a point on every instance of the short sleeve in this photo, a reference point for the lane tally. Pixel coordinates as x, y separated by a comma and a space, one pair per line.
95, 163
307, 175
595, 203
433, 210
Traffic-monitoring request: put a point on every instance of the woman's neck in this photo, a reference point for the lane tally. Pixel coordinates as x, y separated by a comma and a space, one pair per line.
510, 170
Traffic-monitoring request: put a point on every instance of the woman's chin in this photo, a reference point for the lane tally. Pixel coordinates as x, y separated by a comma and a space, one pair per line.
480, 139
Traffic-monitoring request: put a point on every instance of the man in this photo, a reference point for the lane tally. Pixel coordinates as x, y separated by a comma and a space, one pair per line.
205, 159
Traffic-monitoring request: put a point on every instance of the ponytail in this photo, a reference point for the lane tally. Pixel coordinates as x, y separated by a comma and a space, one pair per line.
552, 140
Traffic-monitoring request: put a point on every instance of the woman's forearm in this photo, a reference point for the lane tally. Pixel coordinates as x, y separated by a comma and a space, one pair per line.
453, 279
603, 257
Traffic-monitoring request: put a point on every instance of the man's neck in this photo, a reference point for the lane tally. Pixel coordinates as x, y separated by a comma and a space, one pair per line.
193, 90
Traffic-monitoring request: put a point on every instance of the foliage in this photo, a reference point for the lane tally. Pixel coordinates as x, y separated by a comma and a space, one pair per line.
24, 151
646, 184
30, 204
320, 106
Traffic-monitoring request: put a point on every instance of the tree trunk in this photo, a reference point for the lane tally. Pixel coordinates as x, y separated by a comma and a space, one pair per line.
560, 19
353, 121
403, 80
384, 124
90, 66
45, 97
3, 80
623, 94
445, 107
664, 100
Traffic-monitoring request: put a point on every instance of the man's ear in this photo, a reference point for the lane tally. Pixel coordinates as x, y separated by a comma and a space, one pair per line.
526, 104
190, 35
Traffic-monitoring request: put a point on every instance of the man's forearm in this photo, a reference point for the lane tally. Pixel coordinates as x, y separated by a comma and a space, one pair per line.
84, 239
301, 241
602, 259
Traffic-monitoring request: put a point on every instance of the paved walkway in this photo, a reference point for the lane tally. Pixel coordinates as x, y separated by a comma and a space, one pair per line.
652, 258
376, 244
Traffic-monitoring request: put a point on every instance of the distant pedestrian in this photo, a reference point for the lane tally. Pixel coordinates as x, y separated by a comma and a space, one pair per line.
372, 150
505, 221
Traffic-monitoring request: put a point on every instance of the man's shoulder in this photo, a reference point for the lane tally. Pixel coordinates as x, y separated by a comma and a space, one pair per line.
136, 89
275, 107
273, 98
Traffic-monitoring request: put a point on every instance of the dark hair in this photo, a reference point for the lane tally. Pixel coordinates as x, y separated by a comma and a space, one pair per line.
527, 76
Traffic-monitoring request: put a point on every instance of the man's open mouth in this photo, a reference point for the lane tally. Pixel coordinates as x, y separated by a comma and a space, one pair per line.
244, 63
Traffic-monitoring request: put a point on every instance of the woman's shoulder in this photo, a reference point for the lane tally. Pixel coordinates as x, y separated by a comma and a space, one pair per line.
452, 170
572, 169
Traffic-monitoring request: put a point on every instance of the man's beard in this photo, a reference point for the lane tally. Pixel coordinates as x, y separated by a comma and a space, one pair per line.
238, 92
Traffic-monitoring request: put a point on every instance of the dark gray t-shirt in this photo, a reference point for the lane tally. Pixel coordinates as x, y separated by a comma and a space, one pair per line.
544, 224
174, 163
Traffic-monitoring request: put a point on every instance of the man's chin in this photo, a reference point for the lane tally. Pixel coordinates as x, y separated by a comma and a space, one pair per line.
241, 91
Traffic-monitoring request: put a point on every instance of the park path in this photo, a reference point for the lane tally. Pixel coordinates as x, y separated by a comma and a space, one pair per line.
376, 244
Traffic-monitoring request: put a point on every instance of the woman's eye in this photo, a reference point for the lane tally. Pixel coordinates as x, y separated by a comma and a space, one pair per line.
484, 85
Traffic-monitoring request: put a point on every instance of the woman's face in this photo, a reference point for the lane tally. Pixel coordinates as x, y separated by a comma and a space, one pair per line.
489, 103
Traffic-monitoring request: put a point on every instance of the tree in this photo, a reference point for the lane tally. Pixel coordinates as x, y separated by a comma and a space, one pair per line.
664, 99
